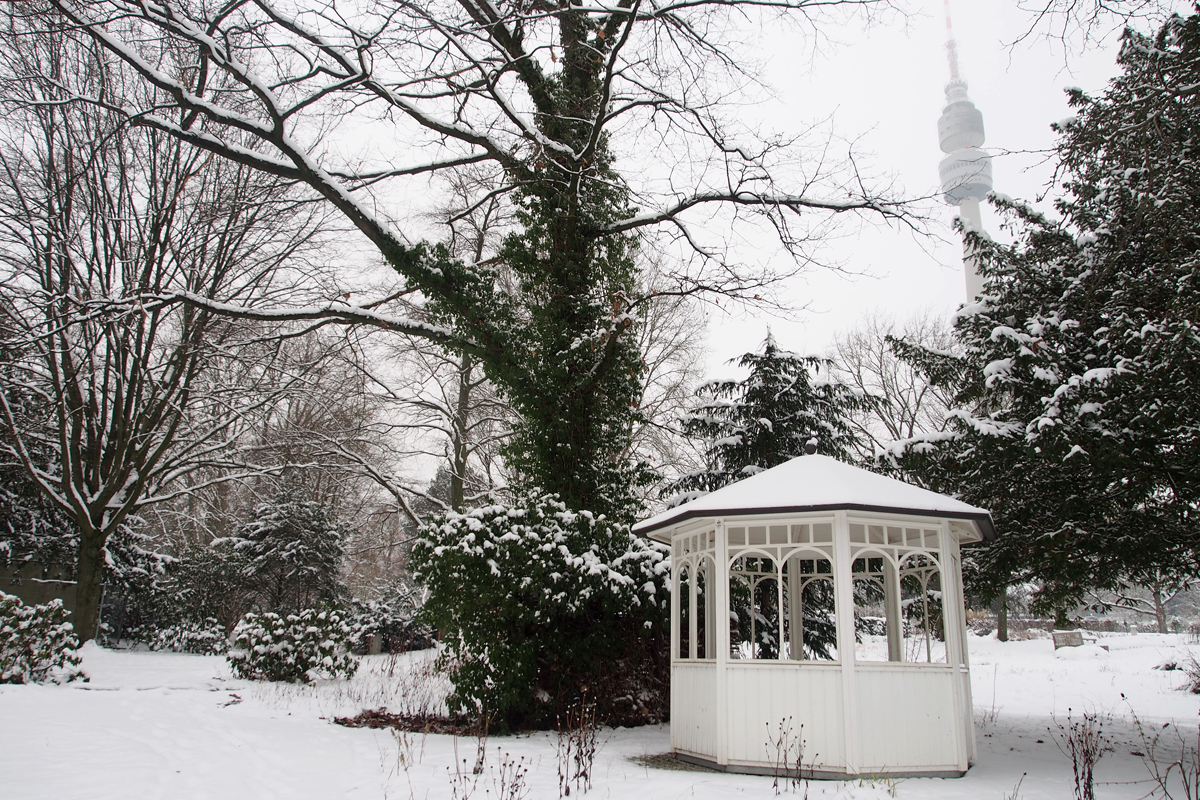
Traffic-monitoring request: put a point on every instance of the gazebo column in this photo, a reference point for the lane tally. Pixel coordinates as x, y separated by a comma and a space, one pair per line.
710, 614
694, 579
953, 627
895, 623
721, 643
795, 582
843, 593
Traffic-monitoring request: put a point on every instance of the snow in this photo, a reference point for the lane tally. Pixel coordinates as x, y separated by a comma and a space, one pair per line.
814, 481
159, 724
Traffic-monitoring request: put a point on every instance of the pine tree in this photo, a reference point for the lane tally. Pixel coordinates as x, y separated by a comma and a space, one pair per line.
752, 425
293, 553
1078, 422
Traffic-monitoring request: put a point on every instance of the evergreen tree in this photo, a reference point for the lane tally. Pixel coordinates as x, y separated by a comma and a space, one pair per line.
1078, 422
32, 528
293, 553
752, 425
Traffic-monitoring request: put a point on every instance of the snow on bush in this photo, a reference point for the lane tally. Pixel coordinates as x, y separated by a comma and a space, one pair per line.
298, 647
537, 604
37, 643
205, 638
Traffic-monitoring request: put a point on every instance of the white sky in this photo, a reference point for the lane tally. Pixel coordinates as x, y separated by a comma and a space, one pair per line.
885, 85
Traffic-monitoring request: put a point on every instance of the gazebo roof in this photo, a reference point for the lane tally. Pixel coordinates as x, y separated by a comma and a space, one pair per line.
819, 483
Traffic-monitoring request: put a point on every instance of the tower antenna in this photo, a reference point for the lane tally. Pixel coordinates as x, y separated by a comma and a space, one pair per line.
951, 45
966, 171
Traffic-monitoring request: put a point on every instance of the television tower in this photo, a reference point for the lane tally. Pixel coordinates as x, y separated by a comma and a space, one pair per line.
966, 171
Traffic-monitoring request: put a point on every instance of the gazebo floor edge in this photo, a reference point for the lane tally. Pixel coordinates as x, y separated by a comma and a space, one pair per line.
816, 774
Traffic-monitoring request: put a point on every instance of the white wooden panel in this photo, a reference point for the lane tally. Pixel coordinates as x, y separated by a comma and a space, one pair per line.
907, 718
694, 721
762, 694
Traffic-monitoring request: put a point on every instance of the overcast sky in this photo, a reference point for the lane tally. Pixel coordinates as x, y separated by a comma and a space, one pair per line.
886, 86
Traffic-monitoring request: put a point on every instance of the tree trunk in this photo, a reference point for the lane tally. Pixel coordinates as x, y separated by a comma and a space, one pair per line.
1061, 620
1002, 616
458, 469
89, 581
1160, 610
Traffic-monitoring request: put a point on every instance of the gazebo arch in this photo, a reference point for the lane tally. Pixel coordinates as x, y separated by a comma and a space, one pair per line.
831, 596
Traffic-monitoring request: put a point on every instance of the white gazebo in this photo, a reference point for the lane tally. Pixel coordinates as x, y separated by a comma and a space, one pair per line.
819, 594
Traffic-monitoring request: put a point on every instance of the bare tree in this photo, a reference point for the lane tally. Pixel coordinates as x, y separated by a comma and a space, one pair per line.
672, 340
1088, 20
901, 403
547, 94
94, 216
1146, 594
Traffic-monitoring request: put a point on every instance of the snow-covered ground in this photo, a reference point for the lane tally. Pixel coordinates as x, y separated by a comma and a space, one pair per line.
158, 725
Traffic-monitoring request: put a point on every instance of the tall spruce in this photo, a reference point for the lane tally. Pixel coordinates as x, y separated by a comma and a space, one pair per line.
747, 426
292, 553
1078, 421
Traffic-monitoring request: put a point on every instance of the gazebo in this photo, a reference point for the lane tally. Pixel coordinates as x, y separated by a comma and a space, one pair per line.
821, 595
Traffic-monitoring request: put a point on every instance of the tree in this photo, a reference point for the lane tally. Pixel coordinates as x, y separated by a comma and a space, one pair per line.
900, 402
96, 216
1077, 421
1093, 19
754, 424
547, 95
292, 553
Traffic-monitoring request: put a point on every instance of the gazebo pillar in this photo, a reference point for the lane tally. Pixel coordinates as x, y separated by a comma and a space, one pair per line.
895, 615
843, 587
964, 718
721, 645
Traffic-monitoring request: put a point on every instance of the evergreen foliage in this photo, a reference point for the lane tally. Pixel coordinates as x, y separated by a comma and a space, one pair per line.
767, 419
32, 528
177, 602
292, 552
538, 604
37, 643
1078, 421
206, 637
294, 648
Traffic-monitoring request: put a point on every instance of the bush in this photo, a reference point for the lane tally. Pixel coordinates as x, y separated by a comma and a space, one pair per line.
37, 643
297, 647
205, 638
393, 621
538, 605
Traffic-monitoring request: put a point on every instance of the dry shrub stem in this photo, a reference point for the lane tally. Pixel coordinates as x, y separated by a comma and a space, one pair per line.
1172, 758
787, 764
1083, 741
577, 745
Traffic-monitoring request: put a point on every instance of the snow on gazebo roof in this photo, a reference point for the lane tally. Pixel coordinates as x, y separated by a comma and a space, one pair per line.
819, 483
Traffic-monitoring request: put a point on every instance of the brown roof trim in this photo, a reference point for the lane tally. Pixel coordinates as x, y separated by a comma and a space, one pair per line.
984, 520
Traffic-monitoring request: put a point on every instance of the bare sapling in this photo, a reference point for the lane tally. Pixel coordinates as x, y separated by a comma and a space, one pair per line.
481, 739
1082, 739
1172, 758
577, 744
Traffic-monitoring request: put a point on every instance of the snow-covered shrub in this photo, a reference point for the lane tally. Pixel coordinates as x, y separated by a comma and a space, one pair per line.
205, 638
297, 647
37, 643
537, 604
393, 620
